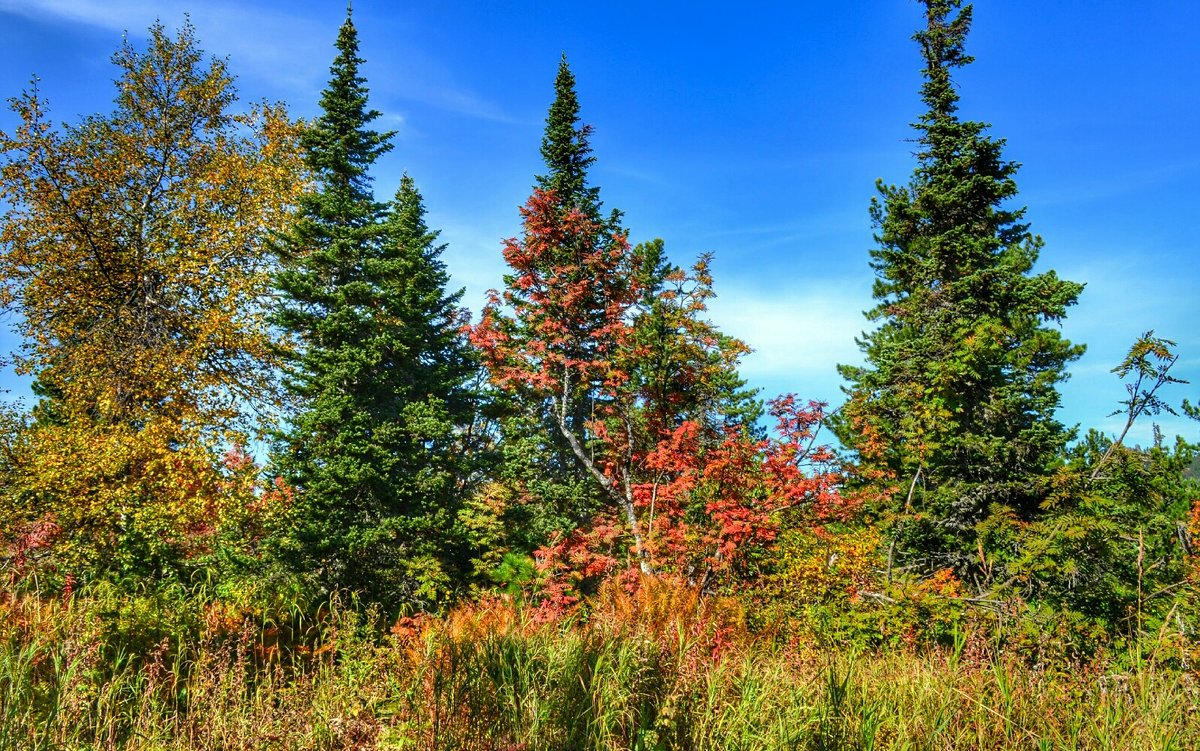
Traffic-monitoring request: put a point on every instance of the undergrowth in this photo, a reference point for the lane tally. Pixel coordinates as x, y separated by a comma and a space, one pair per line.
651, 670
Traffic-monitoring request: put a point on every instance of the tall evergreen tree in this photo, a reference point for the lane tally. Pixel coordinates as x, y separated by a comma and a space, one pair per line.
566, 150
535, 456
954, 411
379, 379
601, 347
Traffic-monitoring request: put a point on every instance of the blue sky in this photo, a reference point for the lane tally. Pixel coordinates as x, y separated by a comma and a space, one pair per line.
755, 134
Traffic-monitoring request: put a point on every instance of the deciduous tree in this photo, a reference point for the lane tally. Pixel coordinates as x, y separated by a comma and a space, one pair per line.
136, 249
549, 490
607, 348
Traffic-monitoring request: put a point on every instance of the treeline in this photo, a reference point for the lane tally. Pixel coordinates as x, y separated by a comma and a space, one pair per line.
190, 279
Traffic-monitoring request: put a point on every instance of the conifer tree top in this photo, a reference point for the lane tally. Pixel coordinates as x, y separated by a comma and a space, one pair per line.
340, 147
565, 147
960, 188
408, 210
942, 47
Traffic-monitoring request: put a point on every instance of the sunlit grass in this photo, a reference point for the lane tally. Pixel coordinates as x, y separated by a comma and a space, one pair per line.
650, 671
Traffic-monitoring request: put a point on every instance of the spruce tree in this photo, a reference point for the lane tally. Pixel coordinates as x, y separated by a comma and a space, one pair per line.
592, 339
566, 151
535, 456
953, 414
379, 378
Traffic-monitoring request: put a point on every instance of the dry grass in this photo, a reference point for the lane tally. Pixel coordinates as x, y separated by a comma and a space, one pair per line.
652, 670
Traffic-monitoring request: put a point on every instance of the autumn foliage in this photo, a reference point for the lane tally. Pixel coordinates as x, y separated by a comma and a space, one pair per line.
191, 283
691, 493
136, 248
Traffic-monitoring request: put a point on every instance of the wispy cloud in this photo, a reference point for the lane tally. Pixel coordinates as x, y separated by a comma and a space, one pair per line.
1103, 187
473, 256
795, 234
104, 14
289, 51
293, 55
447, 97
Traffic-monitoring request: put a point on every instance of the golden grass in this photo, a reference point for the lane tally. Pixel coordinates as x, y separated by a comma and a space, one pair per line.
655, 669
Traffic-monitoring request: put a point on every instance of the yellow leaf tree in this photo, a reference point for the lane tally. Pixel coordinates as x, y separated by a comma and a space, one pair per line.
136, 249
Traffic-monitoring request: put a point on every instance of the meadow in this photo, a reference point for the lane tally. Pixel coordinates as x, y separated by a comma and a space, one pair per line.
657, 669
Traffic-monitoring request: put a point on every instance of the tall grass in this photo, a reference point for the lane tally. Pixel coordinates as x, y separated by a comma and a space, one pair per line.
648, 671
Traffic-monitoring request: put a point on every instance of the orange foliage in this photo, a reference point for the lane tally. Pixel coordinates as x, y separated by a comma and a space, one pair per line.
710, 509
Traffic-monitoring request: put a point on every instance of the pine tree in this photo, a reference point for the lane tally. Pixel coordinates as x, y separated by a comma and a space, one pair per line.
379, 379
430, 319
954, 412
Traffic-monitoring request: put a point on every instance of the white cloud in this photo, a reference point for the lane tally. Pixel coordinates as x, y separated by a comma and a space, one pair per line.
799, 334
473, 257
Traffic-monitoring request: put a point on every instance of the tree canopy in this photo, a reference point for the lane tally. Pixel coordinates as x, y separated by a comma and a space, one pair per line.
137, 247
